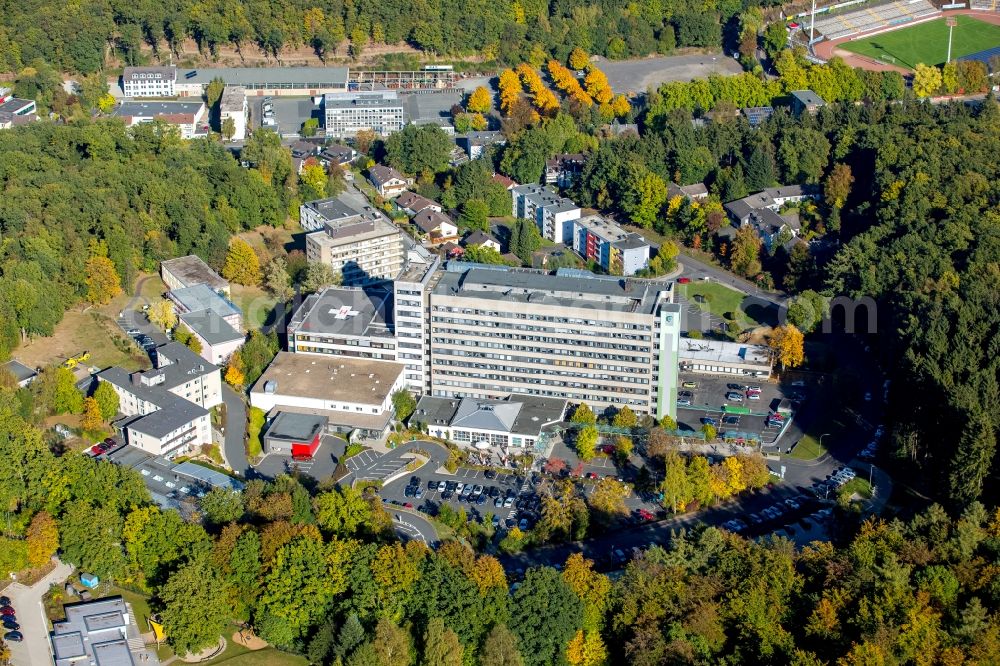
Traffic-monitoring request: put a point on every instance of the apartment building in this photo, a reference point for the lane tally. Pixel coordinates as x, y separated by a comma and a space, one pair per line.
606, 341
564, 170
617, 251
552, 213
167, 406
233, 106
362, 244
149, 81
347, 113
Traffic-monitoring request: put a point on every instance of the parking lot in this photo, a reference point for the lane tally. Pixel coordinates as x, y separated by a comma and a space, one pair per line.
518, 495
289, 113
708, 397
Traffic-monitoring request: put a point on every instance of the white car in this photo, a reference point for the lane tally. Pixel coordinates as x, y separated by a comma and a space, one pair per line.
157, 478
442, 486
170, 484
459, 488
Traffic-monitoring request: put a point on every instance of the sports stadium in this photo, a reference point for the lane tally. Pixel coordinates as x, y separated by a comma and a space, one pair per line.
898, 34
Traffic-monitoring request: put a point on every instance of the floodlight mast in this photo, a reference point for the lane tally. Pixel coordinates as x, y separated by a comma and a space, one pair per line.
812, 24
951, 21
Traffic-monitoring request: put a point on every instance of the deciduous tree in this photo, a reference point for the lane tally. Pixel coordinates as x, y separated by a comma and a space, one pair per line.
42, 538
103, 283
586, 443
441, 645
927, 80
92, 419
500, 648
163, 314
787, 346
107, 400
242, 265
479, 101
195, 606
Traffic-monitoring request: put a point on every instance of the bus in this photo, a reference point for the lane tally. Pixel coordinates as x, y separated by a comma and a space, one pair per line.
439, 68
735, 409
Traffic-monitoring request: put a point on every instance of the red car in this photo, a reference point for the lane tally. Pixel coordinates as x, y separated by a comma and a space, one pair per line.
96, 450
646, 515
408, 505
7, 611
683, 280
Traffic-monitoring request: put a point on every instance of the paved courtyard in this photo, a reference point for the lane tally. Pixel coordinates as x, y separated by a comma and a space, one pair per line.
638, 75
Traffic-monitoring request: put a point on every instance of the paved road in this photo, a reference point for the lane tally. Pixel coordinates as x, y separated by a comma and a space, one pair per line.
234, 449
696, 269
410, 526
27, 602
376, 468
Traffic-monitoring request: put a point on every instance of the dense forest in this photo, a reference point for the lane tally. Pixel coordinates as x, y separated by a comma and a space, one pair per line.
75, 37
318, 571
72, 192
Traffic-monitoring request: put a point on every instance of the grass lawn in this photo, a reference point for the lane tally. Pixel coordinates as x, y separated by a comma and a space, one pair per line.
718, 300
256, 304
927, 43
856, 485
79, 331
809, 447
237, 655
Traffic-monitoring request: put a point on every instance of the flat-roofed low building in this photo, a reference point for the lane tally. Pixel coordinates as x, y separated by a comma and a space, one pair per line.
102, 632
295, 434
201, 297
218, 339
354, 394
191, 118
516, 422
605, 341
720, 357
260, 81
352, 238
345, 321
190, 271
16, 111
233, 106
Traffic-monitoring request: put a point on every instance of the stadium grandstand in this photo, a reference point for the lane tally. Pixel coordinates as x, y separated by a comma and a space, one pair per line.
984, 5
873, 17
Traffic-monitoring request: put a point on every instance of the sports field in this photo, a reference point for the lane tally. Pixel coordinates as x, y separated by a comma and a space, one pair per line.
927, 43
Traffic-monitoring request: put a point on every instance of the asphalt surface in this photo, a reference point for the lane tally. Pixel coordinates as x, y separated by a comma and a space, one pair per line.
321, 467
233, 448
638, 75
411, 526
27, 603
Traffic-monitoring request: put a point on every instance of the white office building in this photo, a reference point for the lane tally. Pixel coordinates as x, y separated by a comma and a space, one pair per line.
351, 112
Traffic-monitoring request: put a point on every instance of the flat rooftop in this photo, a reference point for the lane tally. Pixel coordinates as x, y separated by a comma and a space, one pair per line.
192, 270
153, 109
212, 328
333, 379
577, 289
356, 311
723, 352
300, 77
202, 297
296, 427
367, 99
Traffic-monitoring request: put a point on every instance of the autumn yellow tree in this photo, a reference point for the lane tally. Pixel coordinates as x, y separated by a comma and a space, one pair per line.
479, 101
578, 58
103, 282
92, 418
488, 574
162, 314
42, 538
234, 373
788, 346
592, 588
598, 86
620, 105
586, 649
927, 80
609, 496
510, 89
242, 265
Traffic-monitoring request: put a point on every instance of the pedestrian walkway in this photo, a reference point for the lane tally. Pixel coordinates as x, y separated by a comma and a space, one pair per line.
27, 602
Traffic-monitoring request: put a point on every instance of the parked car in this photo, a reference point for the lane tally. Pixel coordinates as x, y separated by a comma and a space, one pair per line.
10, 624
522, 524
414, 480
442, 486
4, 601
753, 396
459, 488
508, 502
707, 420
7, 611
683, 402
730, 420
683, 280
13, 636
690, 385
733, 396
736, 387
